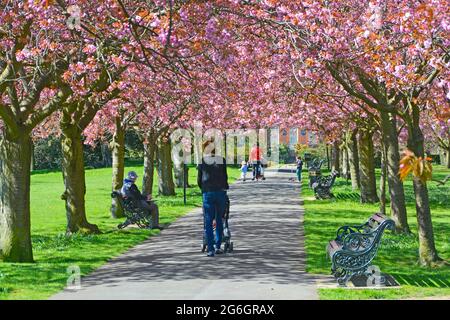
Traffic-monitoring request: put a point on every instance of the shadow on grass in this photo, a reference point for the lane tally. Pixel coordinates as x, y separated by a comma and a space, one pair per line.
424, 281
398, 254
347, 196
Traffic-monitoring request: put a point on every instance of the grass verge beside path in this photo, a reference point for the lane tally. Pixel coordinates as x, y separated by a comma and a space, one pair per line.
54, 252
397, 256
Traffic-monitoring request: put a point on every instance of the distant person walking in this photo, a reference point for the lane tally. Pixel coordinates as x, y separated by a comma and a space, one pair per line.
299, 162
255, 159
213, 181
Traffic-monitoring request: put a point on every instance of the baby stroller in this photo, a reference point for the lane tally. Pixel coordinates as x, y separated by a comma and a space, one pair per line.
226, 237
259, 171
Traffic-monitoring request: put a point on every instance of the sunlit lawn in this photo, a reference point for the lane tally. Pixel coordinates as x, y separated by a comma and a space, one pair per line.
54, 252
398, 254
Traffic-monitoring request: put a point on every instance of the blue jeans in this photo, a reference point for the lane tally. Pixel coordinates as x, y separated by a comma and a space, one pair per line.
299, 174
256, 168
213, 208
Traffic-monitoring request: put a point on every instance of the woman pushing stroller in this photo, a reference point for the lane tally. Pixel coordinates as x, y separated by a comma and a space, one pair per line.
213, 181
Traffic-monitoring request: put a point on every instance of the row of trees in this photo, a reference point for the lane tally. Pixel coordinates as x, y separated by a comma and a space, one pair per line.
379, 67
92, 71
60, 65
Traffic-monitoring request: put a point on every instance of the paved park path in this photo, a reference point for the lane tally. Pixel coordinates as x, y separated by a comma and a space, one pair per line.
268, 261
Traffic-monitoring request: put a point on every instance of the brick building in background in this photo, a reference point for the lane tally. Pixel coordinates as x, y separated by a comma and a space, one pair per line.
293, 136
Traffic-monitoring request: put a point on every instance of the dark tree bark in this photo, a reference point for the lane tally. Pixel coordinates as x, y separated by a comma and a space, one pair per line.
396, 191
32, 164
383, 180
335, 157
74, 181
106, 155
354, 160
118, 164
427, 250
149, 163
328, 156
447, 158
345, 163
15, 235
367, 167
166, 186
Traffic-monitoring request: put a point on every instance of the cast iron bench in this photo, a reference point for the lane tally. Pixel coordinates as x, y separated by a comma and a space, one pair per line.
314, 171
322, 187
356, 246
133, 214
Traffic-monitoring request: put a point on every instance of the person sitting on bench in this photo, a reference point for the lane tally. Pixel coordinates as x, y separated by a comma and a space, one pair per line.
131, 192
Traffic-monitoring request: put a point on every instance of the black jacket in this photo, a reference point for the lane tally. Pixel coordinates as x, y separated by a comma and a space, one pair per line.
130, 191
212, 174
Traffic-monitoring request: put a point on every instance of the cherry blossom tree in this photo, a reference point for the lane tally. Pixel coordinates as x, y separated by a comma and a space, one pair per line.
387, 55
35, 46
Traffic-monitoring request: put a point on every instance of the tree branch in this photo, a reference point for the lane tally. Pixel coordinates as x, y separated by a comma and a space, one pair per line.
57, 101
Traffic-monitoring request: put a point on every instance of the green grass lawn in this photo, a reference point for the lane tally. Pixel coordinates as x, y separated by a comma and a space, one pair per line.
398, 254
54, 252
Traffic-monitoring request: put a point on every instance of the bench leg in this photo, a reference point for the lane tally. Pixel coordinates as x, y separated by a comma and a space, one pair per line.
124, 224
343, 276
343, 280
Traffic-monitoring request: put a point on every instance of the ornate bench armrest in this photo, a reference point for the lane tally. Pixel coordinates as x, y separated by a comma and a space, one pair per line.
345, 230
357, 242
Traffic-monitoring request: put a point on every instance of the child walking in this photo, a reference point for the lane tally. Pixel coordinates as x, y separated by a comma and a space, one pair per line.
244, 169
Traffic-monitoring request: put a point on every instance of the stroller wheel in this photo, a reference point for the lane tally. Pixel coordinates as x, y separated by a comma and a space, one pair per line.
203, 248
230, 249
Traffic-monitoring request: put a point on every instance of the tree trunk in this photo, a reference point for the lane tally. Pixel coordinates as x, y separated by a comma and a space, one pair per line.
367, 167
74, 182
106, 155
383, 180
118, 165
345, 162
165, 176
328, 156
396, 191
179, 171
180, 174
335, 157
149, 164
15, 230
354, 160
427, 250
447, 159
186, 175
32, 164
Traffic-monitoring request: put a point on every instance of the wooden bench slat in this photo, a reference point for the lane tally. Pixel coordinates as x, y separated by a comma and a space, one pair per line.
379, 217
333, 246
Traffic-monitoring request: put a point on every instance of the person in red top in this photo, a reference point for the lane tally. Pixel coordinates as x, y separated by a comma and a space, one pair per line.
255, 159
